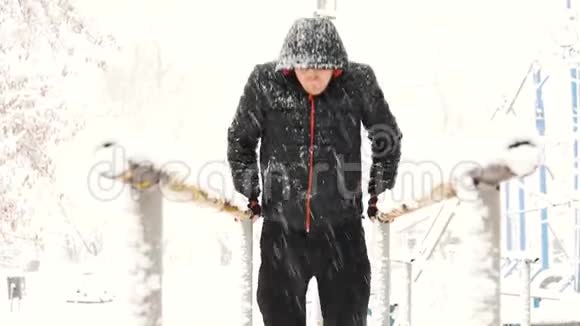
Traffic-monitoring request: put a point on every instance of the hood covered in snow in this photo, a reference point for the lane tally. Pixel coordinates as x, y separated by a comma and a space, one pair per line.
312, 43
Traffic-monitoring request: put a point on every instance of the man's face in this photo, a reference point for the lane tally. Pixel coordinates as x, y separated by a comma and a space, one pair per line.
314, 81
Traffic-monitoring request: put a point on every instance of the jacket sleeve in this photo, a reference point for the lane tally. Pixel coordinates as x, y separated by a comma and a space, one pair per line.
384, 134
243, 135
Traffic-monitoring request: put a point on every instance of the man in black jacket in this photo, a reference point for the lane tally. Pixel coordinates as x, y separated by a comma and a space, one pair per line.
306, 110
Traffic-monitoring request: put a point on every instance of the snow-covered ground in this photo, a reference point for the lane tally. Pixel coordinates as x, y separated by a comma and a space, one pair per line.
201, 280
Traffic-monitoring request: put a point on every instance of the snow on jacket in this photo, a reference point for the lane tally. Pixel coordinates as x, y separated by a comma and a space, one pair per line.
310, 146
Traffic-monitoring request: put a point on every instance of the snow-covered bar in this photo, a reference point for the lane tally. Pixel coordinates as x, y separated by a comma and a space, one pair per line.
149, 267
474, 268
146, 266
461, 250
151, 182
478, 249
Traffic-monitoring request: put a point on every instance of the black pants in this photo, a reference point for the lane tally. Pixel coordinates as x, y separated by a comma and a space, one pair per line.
336, 256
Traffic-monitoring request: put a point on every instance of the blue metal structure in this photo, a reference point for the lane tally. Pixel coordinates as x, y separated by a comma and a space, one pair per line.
541, 128
575, 90
522, 208
508, 226
575, 94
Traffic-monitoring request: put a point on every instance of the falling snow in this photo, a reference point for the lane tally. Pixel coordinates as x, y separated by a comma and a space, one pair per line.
166, 91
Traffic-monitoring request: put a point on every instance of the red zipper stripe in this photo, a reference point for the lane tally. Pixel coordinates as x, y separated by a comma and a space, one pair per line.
310, 162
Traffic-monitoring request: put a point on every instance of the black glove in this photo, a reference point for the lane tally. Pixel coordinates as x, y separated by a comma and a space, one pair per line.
372, 210
255, 207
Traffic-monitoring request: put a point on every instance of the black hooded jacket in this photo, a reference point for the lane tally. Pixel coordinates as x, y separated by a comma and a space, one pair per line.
310, 146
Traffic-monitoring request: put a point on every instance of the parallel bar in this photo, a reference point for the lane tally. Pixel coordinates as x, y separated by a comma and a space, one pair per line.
525, 295
508, 228
478, 253
477, 249
383, 279
522, 221
544, 295
246, 274
544, 226
386, 270
404, 310
427, 252
149, 255
541, 127
406, 316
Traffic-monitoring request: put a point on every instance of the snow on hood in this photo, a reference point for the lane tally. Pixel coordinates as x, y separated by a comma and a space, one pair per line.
312, 43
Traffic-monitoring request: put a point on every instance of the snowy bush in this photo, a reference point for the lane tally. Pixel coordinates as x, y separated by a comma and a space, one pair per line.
44, 45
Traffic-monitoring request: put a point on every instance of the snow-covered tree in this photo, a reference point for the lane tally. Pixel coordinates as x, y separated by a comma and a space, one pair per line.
43, 45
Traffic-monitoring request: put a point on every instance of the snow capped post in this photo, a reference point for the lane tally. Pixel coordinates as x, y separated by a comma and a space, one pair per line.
149, 248
150, 183
525, 296
145, 237
386, 270
405, 312
476, 294
326, 8
383, 279
406, 317
246, 276
478, 252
